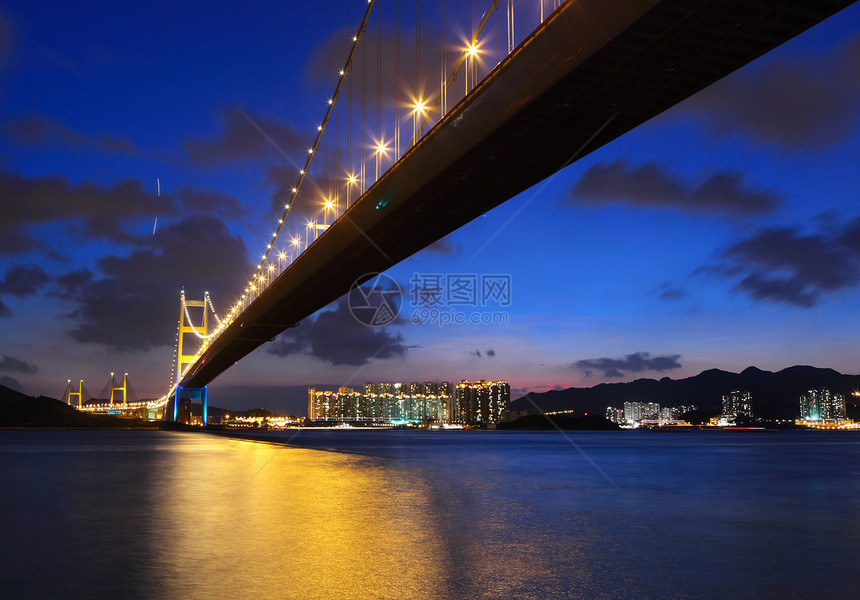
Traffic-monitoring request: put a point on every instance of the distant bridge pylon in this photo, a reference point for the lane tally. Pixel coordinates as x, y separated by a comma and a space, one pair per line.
119, 388
79, 394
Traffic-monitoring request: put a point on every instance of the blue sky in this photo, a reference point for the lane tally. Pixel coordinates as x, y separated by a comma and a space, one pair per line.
722, 234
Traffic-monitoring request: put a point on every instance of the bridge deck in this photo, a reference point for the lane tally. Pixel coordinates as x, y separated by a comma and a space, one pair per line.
593, 71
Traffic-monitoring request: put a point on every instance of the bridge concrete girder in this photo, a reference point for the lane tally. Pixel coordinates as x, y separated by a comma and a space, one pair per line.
593, 71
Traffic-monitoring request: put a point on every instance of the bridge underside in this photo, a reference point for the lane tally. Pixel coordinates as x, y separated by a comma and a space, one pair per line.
593, 71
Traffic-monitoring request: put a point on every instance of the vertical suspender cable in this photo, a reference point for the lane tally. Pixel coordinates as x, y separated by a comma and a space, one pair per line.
396, 80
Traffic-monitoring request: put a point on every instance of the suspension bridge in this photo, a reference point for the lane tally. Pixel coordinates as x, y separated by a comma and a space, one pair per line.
442, 111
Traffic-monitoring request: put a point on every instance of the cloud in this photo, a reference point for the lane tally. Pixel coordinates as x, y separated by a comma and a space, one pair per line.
11, 364
192, 200
283, 178
11, 383
23, 280
101, 210
4, 310
337, 337
850, 237
15, 241
131, 305
666, 291
785, 265
652, 185
630, 363
90, 210
444, 246
796, 104
71, 284
243, 137
42, 130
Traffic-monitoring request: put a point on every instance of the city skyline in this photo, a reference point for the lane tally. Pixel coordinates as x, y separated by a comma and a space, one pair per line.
723, 233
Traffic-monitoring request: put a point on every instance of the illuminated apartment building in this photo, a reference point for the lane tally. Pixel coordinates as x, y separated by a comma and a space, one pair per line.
737, 403
385, 402
482, 402
821, 405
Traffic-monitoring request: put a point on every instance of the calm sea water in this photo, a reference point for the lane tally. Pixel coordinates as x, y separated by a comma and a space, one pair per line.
400, 515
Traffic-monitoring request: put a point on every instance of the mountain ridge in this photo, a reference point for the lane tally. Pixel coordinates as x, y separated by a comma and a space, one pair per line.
775, 395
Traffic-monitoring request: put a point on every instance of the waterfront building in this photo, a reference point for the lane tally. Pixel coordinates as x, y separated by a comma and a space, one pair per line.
616, 415
821, 405
737, 404
500, 401
673, 413
647, 413
394, 402
636, 412
321, 405
482, 402
446, 402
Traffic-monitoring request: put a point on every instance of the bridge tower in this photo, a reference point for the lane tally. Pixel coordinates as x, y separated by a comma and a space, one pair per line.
79, 393
183, 359
119, 388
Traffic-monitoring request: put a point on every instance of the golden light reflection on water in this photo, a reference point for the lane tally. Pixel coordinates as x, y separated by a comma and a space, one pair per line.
152, 515
252, 520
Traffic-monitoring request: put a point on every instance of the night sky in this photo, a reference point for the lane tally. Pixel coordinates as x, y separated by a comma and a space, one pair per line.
722, 234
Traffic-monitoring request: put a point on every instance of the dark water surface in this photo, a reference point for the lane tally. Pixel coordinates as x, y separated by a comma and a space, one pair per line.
400, 515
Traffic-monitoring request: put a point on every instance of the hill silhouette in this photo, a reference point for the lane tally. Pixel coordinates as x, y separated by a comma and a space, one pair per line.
774, 395
21, 410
